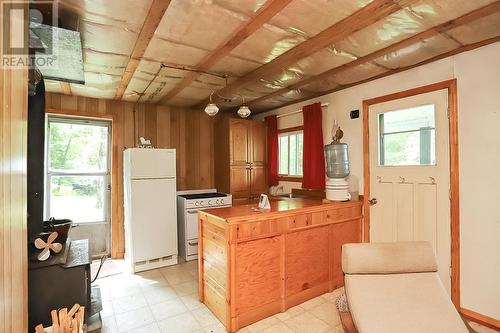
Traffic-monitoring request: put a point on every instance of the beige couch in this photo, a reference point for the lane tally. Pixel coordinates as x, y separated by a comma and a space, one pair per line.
394, 287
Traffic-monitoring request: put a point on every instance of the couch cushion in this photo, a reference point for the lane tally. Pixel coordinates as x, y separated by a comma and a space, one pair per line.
410, 303
388, 258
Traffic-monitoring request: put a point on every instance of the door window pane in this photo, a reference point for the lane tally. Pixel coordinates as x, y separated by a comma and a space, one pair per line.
407, 137
77, 147
79, 198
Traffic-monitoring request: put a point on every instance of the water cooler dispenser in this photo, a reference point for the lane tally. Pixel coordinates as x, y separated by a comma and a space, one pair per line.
337, 168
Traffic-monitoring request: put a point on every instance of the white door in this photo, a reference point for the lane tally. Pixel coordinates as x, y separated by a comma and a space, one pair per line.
410, 174
78, 182
153, 218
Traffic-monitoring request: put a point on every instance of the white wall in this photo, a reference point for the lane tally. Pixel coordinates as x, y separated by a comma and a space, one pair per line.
478, 76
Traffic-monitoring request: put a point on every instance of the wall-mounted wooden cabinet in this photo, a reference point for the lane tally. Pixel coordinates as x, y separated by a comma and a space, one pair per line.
241, 159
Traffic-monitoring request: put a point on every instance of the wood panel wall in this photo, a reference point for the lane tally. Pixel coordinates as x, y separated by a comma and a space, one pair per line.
190, 132
13, 197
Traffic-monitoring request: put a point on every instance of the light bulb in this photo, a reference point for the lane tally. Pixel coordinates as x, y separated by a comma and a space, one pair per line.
211, 109
244, 111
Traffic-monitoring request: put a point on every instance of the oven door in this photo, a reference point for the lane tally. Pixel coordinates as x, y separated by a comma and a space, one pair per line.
192, 224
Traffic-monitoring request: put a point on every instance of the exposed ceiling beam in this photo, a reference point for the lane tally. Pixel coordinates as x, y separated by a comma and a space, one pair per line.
439, 29
151, 23
262, 16
464, 48
364, 17
66, 88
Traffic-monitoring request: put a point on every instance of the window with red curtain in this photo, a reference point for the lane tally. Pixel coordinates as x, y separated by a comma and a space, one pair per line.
272, 149
314, 158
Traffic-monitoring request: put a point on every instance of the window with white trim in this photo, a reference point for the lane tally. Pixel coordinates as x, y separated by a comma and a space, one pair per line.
291, 147
78, 169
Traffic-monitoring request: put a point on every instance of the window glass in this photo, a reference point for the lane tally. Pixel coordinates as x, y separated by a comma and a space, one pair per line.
283, 155
290, 154
77, 147
293, 155
79, 198
407, 136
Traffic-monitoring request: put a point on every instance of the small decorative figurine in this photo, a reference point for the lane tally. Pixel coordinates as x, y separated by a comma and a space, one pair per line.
47, 246
337, 133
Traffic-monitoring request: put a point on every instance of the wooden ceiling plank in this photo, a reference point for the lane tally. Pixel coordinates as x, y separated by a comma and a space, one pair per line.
262, 16
464, 19
464, 48
362, 18
151, 23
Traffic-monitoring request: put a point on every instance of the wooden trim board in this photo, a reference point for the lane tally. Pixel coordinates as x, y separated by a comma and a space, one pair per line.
451, 86
13, 192
285, 178
291, 129
151, 23
481, 319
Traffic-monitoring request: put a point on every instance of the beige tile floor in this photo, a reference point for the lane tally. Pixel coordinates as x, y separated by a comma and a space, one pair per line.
166, 301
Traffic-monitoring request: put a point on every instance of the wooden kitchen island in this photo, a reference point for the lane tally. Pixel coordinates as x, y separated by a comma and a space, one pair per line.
253, 264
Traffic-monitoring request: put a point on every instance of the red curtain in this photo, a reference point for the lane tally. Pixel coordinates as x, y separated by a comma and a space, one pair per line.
313, 155
272, 149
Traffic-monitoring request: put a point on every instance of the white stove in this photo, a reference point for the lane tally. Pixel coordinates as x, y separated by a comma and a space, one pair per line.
188, 205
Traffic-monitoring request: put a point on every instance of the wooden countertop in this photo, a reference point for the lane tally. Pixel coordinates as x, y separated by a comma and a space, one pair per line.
279, 208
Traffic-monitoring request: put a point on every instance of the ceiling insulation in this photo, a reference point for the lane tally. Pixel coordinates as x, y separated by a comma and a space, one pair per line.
419, 52
485, 28
192, 30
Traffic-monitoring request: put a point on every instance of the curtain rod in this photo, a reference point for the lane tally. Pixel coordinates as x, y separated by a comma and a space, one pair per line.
296, 111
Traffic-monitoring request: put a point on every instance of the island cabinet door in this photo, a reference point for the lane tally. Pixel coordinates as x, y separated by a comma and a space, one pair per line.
306, 264
258, 280
343, 233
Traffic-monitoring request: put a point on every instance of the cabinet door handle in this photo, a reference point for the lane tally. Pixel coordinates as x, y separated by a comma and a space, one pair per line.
192, 211
193, 243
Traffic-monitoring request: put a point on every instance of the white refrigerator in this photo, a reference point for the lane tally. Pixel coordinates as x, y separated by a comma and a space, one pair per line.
150, 208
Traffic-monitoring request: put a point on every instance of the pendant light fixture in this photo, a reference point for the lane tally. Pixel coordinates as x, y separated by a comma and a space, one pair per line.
244, 111
211, 109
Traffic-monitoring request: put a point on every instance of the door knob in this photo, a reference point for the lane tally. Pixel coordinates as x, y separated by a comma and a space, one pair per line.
372, 201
